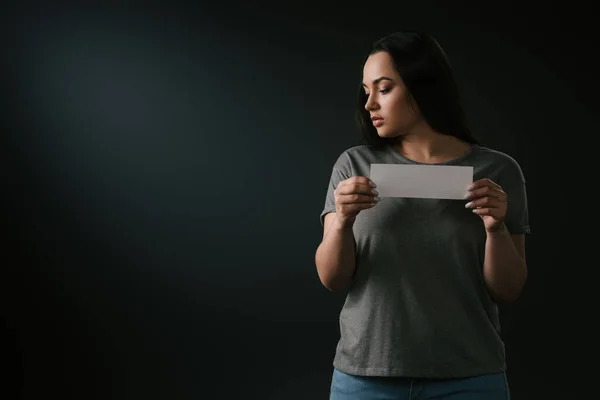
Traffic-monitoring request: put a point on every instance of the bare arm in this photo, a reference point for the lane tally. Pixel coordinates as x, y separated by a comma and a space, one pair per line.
335, 256
505, 268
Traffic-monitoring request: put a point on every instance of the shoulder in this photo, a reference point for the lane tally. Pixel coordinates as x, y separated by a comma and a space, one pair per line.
361, 152
358, 159
497, 156
505, 164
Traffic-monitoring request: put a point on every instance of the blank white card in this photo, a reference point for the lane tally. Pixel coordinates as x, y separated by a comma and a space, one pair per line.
422, 181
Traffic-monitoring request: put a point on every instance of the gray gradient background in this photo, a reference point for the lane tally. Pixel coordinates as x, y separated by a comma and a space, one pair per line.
166, 166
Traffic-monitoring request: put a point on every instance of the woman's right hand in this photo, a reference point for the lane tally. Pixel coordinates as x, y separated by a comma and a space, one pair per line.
352, 196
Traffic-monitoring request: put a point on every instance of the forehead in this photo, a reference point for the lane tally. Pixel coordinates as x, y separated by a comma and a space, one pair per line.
377, 65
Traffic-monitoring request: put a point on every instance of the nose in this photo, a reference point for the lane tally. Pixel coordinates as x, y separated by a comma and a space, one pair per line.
370, 104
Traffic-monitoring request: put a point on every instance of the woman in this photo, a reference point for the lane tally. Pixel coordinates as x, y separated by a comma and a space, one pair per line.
423, 276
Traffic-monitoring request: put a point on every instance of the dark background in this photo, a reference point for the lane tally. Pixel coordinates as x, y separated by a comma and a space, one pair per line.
165, 167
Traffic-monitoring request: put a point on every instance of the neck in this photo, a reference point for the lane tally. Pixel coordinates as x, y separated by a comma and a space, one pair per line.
425, 145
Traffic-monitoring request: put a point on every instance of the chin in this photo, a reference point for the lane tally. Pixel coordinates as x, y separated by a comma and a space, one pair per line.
381, 132
387, 134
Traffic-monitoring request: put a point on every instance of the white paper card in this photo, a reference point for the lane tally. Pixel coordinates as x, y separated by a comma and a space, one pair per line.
422, 181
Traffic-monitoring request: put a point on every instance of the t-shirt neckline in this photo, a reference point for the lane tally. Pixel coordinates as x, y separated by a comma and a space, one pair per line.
453, 161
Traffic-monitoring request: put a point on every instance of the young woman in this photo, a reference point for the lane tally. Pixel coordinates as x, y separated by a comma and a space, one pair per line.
423, 276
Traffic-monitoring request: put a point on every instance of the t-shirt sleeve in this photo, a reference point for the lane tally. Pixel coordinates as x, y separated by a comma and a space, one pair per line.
514, 185
341, 171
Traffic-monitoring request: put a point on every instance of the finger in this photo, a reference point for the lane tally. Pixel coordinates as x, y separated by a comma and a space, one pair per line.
361, 180
493, 212
487, 191
351, 188
350, 209
483, 182
356, 198
486, 201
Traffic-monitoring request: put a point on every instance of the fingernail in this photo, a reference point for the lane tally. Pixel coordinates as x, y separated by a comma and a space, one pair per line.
376, 199
372, 184
469, 204
375, 192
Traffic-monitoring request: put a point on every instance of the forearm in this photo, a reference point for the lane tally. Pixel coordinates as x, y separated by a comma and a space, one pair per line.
504, 270
336, 257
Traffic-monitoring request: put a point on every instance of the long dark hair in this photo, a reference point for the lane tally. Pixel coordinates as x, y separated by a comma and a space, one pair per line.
427, 75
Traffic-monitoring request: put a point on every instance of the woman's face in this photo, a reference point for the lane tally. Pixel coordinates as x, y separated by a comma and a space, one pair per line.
387, 99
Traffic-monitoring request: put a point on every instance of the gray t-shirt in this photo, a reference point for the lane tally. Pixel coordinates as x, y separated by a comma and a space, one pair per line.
417, 306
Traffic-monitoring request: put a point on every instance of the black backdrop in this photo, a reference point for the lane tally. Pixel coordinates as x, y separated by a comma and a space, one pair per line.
165, 167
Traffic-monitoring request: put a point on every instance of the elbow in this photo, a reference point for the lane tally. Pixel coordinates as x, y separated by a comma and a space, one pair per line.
506, 297
333, 284
335, 287
332, 281
506, 287
509, 294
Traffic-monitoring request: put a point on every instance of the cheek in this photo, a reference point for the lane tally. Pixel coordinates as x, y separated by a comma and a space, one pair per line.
401, 111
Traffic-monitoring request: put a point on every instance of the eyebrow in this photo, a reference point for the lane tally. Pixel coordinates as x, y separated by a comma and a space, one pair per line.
381, 78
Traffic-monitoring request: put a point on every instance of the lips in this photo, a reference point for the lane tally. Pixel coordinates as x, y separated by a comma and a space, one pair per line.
377, 120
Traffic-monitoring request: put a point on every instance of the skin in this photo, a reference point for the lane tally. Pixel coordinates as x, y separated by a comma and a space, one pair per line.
389, 99
505, 269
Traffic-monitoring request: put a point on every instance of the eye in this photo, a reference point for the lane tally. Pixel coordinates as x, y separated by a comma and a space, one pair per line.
382, 91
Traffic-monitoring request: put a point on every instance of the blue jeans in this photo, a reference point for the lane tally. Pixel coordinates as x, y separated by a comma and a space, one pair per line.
352, 387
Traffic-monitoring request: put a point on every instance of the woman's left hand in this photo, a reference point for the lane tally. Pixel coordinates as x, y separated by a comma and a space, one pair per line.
488, 200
